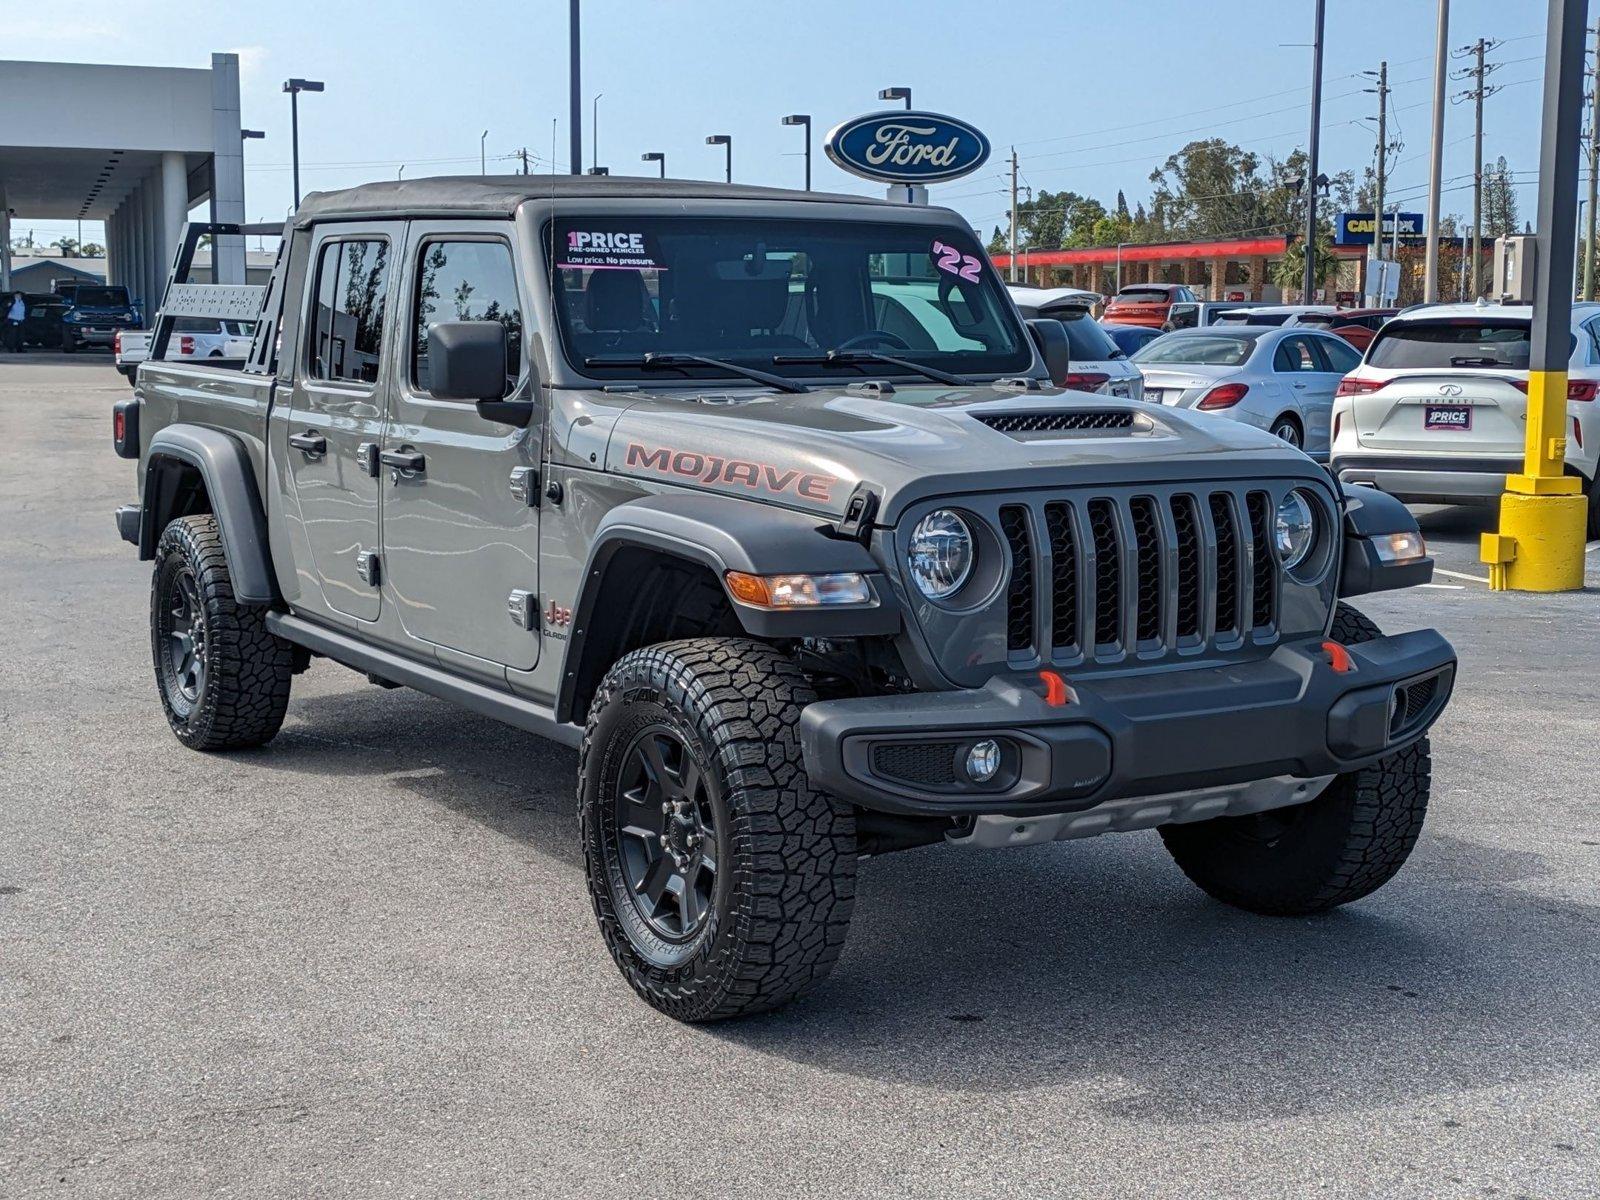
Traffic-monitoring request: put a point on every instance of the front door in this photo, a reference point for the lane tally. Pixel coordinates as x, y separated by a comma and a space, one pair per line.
461, 528
336, 414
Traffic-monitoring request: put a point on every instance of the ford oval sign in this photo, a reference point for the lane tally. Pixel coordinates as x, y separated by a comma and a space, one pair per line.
907, 147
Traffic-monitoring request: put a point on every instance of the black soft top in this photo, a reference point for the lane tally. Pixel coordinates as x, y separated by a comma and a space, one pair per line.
500, 195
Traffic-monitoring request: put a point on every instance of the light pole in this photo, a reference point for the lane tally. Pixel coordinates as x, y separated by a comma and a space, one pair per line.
483, 161
598, 171
803, 119
726, 142
294, 87
658, 158
575, 93
897, 93
594, 129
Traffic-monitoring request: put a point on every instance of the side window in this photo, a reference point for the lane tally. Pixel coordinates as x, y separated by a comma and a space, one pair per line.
195, 325
1594, 340
1341, 356
465, 281
347, 323
1295, 354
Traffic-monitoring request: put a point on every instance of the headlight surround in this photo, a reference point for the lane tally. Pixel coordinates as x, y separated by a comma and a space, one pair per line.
1294, 529
940, 554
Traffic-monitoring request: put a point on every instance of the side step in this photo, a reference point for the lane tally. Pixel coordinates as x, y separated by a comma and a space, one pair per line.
424, 677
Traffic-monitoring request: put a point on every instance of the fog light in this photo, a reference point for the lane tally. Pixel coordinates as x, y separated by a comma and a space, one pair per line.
983, 761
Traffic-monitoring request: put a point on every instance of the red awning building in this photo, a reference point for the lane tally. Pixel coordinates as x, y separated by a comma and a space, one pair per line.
1225, 269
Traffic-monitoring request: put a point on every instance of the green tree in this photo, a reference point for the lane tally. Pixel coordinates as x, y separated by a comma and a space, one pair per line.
1291, 270
1499, 201
67, 245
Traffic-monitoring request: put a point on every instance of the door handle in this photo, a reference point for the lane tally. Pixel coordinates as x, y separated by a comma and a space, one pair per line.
309, 442
403, 460
1301, 386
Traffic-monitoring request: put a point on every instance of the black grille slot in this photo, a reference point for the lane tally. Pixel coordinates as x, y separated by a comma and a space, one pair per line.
1107, 573
1227, 607
1411, 703
1147, 546
929, 764
1020, 599
1063, 577
1057, 422
1265, 564
1187, 524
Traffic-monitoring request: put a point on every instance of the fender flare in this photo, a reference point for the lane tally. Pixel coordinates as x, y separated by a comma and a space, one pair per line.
224, 467
726, 533
1370, 514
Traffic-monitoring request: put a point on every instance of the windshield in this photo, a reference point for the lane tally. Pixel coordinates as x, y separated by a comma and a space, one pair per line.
1197, 350
749, 291
1142, 296
1457, 343
1086, 341
100, 297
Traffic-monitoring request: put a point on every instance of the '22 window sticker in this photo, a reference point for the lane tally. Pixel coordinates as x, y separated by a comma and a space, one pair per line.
952, 261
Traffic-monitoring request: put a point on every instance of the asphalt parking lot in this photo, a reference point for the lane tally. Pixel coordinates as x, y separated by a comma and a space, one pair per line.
362, 959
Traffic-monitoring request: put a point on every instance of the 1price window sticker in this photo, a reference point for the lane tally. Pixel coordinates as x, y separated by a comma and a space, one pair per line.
1447, 416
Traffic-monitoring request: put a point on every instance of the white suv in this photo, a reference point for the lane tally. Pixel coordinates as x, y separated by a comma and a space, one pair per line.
1437, 411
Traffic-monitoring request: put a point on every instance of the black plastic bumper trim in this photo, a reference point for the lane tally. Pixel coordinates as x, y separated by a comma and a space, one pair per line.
1141, 735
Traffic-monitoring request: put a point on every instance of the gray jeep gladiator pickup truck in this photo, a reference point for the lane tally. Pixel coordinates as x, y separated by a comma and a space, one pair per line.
764, 501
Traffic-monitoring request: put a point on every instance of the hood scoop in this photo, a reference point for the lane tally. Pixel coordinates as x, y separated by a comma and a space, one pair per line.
1060, 421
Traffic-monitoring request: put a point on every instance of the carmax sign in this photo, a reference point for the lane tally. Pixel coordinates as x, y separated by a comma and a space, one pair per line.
1355, 228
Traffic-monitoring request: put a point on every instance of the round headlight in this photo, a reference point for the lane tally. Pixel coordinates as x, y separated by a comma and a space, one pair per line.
1295, 529
940, 554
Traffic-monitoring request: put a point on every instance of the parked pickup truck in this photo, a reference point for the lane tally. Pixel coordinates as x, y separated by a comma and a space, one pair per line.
192, 337
678, 474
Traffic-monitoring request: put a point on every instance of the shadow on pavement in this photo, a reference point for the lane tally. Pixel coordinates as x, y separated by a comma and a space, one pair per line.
1095, 961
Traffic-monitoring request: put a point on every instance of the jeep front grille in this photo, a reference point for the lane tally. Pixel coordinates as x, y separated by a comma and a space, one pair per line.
1141, 573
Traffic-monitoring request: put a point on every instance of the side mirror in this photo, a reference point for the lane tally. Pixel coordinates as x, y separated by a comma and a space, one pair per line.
468, 360
1050, 336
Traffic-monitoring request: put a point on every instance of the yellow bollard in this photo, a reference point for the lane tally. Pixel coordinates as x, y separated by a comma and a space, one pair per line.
1539, 545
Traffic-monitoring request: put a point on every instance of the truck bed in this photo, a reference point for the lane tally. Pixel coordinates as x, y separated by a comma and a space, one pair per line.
217, 396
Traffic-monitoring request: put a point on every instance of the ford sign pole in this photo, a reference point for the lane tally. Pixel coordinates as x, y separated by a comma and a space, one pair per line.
1539, 547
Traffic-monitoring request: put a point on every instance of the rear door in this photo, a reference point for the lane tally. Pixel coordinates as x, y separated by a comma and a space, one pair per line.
336, 412
461, 529
1336, 358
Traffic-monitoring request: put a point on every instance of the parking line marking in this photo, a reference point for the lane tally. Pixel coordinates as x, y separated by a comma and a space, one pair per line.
1591, 547
1461, 575
1446, 587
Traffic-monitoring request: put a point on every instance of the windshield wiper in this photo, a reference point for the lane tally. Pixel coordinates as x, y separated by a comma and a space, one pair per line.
667, 362
1467, 361
856, 358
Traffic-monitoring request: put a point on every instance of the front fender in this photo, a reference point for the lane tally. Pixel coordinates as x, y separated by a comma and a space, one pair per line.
1370, 514
722, 534
224, 467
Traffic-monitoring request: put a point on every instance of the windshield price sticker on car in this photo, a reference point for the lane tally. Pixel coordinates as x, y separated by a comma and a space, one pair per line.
952, 261
609, 249
1447, 416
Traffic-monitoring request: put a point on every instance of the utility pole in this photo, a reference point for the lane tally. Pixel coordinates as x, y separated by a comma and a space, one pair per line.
523, 154
1441, 54
1539, 545
1012, 269
1375, 293
1478, 73
1309, 289
1594, 169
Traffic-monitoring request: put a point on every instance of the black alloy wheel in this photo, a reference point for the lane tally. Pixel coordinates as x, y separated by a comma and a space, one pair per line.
667, 834
182, 627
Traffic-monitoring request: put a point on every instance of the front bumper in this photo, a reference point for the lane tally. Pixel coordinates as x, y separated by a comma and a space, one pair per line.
1295, 713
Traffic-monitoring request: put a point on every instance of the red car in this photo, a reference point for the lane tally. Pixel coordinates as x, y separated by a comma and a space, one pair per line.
1146, 303
1358, 326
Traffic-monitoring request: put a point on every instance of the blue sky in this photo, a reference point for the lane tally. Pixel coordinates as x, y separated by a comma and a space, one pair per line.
1094, 95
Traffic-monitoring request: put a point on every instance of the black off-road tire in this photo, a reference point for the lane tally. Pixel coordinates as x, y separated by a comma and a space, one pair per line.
784, 883
242, 687
1345, 844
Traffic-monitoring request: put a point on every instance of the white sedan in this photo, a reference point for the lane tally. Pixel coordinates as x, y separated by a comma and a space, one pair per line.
1280, 380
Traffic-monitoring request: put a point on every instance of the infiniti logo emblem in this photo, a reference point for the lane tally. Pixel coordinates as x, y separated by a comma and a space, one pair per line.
1449, 389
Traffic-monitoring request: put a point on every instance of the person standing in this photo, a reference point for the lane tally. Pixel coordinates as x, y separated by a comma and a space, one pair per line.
13, 327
